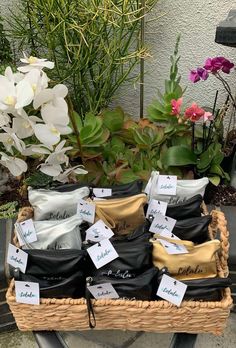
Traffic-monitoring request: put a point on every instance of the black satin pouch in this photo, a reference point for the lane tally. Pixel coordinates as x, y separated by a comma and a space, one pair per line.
185, 210
205, 289
193, 229
135, 254
138, 288
62, 262
123, 190
118, 191
57, 286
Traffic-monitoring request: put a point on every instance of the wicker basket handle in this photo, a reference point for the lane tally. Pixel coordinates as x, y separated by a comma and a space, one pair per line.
219, 224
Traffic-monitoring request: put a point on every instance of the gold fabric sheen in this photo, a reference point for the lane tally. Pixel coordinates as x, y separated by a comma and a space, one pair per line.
199, 262
122, 215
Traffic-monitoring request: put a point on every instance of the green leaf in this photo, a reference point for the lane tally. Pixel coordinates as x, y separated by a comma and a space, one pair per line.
38, 180
126, 175
215, 180
179, 156
113, 119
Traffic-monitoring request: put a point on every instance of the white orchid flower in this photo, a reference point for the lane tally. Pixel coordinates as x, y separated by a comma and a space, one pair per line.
9, 139
13, 77
64, 177
59, 156
52, 165
4, 119
15, 165
34, 62
24, 126
51, 169
37, 79
36, 149
54, 111
14, 97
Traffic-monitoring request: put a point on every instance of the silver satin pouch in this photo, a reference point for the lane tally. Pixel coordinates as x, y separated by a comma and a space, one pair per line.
185, 189
57, 234
54, 205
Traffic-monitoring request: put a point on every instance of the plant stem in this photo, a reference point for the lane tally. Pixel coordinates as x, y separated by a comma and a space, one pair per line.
193, 136
75, 128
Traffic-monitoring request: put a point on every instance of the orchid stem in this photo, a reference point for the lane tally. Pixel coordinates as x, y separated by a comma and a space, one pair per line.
193, 133
75, 128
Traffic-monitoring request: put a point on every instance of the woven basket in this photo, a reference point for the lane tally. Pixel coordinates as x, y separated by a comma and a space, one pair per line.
151, 316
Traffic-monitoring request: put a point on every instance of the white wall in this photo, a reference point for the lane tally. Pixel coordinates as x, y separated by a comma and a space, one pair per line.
196, 20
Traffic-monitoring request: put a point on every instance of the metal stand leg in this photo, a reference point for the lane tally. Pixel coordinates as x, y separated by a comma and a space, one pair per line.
49, 339
183, 340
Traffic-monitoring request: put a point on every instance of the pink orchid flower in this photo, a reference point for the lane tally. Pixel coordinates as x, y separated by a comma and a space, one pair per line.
176, 106
194, 112
207, 117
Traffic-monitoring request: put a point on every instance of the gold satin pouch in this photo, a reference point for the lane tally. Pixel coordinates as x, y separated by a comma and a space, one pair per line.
199, 262
122, 215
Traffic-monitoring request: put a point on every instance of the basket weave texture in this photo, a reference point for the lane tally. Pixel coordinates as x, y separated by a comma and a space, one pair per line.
151, 316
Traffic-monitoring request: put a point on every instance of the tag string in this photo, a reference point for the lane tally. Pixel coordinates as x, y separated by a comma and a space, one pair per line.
91, 314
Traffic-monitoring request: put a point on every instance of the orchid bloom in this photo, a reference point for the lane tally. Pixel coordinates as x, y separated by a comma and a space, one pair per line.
64, 177
52, 165
54, 111
4, 119
24, 126
16, 166
199, 74
14, 97
38, 149
10, 139
37, 79
13, 77
176, 106
194, 112
34, 62
207, 117
218, 63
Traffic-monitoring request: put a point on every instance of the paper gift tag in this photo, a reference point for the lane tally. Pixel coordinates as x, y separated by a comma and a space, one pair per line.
171, 290
98, 232
167, 185
161, 223
172, 248
26, 232
156, 207
17, 258
166, 233
86, 210
102, 253
27, 292
105, 290
102, 192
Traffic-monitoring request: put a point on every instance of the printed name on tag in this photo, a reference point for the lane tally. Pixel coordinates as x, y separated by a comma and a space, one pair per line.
86, 210
98, 232
172, 248
156, 207
167, 185
27, 292
102, 192
105, 290
102, 253
26, 232
17, 258
171, 290
161, 223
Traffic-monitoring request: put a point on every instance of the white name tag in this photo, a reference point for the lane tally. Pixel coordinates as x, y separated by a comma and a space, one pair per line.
156, 207
98, 232
26, 232
172, 248
102, 192
167, 185
105, 290
161, 223
166, 233
17, 258
86, 210
102, 253
171, 290
27, 292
